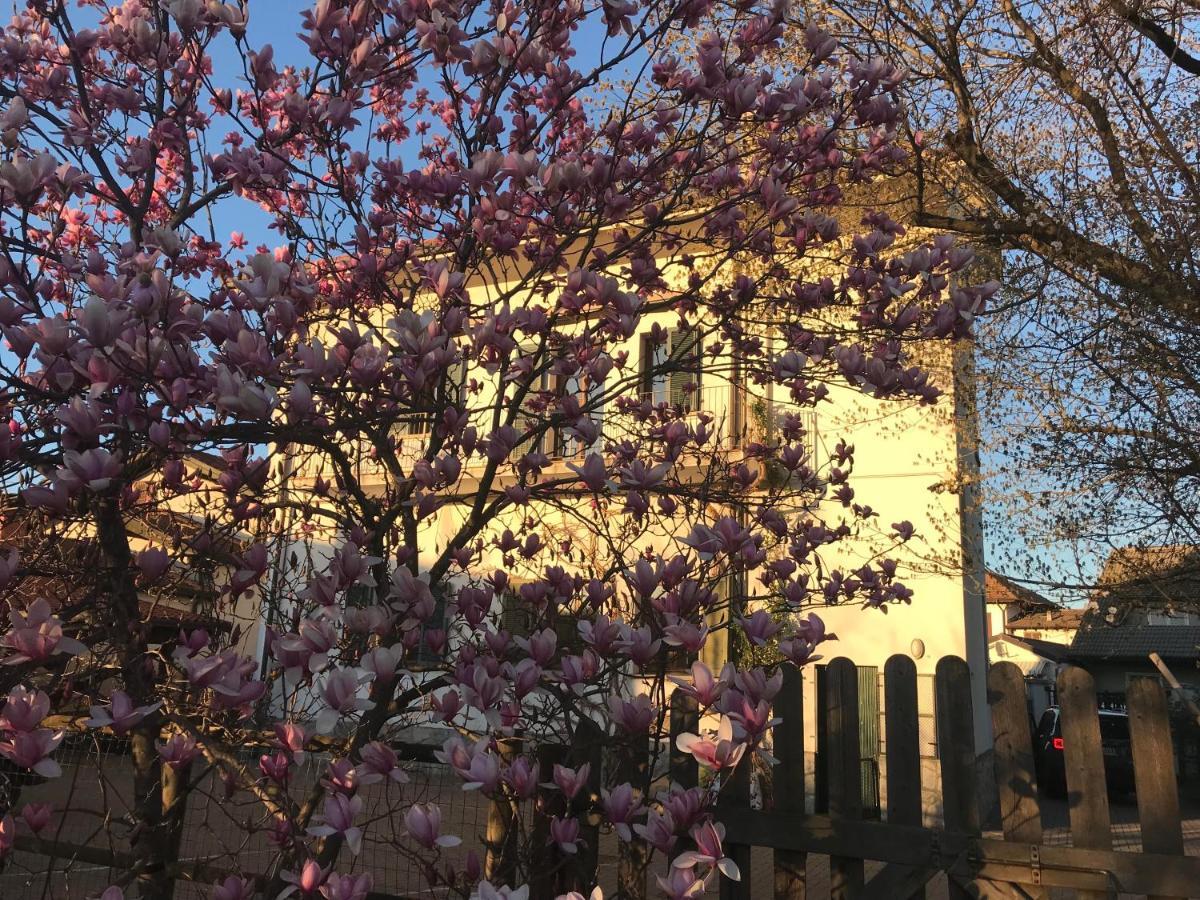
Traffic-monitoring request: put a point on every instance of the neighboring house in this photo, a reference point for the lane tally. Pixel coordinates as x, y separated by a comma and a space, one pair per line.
1058, 626
1148, 601
1009, 602
187, 596
1039, 661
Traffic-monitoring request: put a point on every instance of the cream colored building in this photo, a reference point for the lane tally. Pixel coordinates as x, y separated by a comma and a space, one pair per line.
912, 463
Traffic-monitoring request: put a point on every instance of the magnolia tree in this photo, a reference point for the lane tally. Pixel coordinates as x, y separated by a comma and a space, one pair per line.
476, 211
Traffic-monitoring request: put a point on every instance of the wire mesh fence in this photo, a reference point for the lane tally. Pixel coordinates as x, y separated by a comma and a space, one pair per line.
227, 830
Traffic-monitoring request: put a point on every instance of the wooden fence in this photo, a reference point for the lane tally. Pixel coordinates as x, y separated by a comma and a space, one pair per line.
1016, 864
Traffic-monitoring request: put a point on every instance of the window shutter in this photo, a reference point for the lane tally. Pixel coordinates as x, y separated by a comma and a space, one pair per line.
513, 618
685, 368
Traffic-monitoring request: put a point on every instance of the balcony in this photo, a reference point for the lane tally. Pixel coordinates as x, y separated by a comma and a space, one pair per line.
735, 418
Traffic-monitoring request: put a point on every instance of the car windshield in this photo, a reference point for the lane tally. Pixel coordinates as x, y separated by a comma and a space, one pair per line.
1114, 728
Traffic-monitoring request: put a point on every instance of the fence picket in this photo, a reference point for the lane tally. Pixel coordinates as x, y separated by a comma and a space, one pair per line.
737, 796
1087, 791
1020, 813
633, 856
685, 719
956, 751
1154, 769
788, 779
843, 769
1016, 781
549, 803
902, 737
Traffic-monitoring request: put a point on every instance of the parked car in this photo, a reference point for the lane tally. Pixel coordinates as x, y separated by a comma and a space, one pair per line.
1048, 751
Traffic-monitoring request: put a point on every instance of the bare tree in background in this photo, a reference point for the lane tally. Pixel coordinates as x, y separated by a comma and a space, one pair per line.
1064, 135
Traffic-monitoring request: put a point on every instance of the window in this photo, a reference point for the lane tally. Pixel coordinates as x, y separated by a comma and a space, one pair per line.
520, 619
1172, 618
413, 426
423, 655
671, 370
565, 441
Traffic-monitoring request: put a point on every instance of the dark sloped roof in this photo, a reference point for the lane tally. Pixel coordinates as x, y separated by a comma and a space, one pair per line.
1107, 642
1046, 649
1051, 619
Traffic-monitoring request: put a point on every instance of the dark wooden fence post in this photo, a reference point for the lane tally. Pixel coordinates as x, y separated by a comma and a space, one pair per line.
956, 751
737, 796
842, 761
587, 747
1087, 791
544, 856
787, 778
1016, 780
1154, 769
685, 719
902, 736
633, 857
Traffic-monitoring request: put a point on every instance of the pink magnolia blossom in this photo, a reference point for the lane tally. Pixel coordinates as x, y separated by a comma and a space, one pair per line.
634, 716
521, 777
341, 695
378, 762
706, 688
382, 662
234, 887
340, 814
178, 751
621, 805
153, 563
341, 775
37, 635
24, 709
36, 816
92, 469
306, 882
658, 830
708, 852
424, 824
32, 749
719, 752
682, 884
571, 781
564, 833
291, 738
347, 887
485, 890
759, 627
121, 715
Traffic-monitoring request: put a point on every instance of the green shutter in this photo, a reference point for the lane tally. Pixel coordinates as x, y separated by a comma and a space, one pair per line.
685, 367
